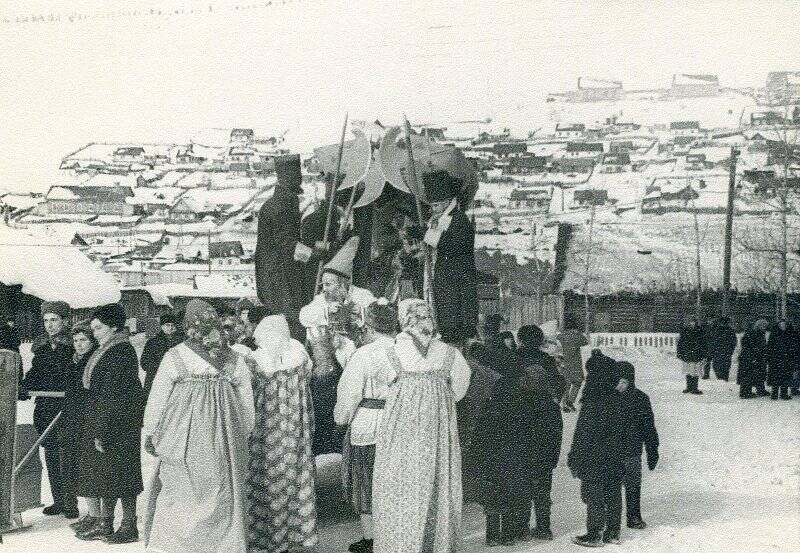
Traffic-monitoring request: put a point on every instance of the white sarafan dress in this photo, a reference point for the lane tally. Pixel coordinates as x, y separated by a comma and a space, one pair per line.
200, 417
416, 487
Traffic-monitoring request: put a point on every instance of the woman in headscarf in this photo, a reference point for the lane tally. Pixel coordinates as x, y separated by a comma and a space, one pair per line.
417, 487
282, 512
110, 464
75, 400
198, 417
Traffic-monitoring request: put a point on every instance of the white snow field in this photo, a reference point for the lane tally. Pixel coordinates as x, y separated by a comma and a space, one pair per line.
728, 480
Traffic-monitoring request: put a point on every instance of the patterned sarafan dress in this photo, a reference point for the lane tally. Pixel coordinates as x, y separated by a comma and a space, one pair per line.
282, 503
416, 487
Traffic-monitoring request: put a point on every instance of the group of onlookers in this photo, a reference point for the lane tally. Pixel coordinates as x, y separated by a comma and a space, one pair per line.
92, 448
768, 356
227, 411
519, 433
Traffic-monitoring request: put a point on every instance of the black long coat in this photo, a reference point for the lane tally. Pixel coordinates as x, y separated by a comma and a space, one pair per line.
51, 361
518, 437
153, 353
721, 343
782, 352
641, 425
279, 278
752, 359
75, 400
455, 278
114, 412
600, 439
691, 344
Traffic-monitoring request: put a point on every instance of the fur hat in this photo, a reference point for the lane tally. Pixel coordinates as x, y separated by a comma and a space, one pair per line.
381, 316
112, 315
440, 186
60, 308
342, 262
530, 336
627, 371
288, 171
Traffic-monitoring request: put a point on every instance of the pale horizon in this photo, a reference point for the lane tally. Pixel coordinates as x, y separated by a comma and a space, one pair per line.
302, 65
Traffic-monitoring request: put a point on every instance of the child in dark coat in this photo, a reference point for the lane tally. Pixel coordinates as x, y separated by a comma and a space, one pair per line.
518, 442
597, 455
641, 431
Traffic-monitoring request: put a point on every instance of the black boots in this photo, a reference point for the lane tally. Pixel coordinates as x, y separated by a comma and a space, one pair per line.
84, 524
589, 539
500, 529
54, 509
362, 546
126, 533
103, 527
691, 385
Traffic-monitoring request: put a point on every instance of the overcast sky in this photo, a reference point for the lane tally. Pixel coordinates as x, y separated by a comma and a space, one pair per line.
302, 64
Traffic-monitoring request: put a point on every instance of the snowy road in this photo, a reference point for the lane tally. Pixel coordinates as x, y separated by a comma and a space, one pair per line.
728, 480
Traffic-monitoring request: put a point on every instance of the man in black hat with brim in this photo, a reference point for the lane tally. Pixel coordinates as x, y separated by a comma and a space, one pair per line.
452, 237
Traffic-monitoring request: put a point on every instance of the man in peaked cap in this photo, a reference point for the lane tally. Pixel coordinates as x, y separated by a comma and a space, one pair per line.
452, 237
280, 256
333, 321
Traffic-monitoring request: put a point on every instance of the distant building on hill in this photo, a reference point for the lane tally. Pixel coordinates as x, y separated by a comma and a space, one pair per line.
98, 200
570, 131
595, 90
584, 149
686, 85
783, 87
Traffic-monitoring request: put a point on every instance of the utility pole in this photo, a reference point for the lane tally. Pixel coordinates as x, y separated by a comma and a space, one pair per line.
209, 251
587, 273
726, 268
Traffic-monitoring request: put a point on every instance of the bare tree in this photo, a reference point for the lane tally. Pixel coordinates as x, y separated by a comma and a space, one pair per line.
775, 239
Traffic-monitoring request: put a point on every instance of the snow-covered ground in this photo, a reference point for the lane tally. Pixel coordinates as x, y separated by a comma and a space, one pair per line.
728, 480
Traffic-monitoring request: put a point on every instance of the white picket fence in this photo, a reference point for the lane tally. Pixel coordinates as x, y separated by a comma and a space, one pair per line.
662, 341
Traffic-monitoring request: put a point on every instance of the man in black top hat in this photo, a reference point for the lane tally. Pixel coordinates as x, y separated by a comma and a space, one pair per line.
280, 256
452, 237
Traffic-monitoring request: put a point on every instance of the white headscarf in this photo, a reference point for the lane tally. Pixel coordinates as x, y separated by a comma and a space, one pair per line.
276, 349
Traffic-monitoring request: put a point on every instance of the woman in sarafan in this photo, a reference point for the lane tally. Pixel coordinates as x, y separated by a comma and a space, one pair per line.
282, 514
198, 417
416, 485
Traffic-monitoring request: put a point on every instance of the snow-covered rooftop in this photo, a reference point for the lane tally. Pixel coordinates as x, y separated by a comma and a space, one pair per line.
50, 268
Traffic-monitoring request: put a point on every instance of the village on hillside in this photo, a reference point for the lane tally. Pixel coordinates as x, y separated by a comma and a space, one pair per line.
622, 194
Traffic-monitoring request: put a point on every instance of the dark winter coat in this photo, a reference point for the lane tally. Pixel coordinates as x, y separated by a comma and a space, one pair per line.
782, 356
279, 278
52, 359
455, 278
518, 437
691, 344
114, 413
721, 343
600, 442
154, 351
752, 359
556, 383
641, 426
601, 376
75, 402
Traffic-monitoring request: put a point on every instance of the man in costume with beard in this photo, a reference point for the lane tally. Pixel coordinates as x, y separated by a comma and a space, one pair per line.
333, 322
